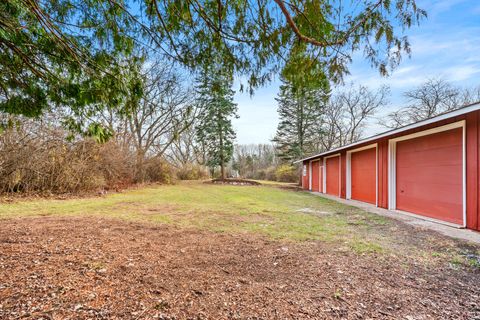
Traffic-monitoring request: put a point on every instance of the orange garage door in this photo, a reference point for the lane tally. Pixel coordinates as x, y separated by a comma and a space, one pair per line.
315, 176
429, 176
363, 171
333, 175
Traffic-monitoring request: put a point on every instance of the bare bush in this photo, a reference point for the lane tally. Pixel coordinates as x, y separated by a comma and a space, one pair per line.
36, 156
156, 169
193, 172
266, 174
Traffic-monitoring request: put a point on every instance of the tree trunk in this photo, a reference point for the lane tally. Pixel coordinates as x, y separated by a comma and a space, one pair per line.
222, 169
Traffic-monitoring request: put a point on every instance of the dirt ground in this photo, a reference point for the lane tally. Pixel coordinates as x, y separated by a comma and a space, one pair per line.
78, 268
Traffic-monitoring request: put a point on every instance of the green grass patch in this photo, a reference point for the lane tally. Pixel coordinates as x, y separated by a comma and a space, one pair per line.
362, 247
267, 210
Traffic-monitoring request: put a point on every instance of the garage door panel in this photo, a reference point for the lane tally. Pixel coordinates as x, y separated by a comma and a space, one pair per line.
433, 208
433, 156
441, 194
333, 175
315, 176
447, 140
429, 175
363, 175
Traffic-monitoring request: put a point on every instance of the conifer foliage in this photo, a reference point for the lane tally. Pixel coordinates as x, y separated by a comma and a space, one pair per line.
72, 52
300, 110
215, 130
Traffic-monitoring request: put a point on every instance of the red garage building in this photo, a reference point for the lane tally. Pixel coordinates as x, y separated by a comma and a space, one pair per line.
429, 168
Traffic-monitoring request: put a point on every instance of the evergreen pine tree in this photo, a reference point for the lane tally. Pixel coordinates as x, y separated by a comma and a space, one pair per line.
215, 129
300, 111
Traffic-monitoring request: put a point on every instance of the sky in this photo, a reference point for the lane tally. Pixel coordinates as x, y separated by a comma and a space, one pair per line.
446, 45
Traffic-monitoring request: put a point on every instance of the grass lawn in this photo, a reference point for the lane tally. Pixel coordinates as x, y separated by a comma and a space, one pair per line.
273, 211
200, 251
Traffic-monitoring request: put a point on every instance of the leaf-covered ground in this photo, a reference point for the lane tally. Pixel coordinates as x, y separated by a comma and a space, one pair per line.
197, 251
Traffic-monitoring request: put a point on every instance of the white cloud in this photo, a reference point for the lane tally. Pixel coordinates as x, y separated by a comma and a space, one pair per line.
436, 7
461, 72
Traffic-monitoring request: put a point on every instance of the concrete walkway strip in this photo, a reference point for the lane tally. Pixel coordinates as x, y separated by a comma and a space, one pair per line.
417, 221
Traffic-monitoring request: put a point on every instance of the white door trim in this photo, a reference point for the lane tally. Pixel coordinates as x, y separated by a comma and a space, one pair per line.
304, 174
349, 170
339, 173
392, 152
320, 177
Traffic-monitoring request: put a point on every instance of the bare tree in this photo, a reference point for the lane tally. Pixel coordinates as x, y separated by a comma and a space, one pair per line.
347, 113
359, 104
471, 95
186, 150
162, 115
254, 160
432, 98
331, 131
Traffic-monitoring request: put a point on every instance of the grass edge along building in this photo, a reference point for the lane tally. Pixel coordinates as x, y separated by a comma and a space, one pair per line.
429, 168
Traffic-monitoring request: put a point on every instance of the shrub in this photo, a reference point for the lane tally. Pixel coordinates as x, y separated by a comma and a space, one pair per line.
158, 170
286, 173
35, 158
271, 174
192, 172
117, 165
55, 165
263, 174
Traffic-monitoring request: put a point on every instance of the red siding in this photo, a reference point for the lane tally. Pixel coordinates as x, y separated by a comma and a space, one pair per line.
333, 175
472, 137
305, 177
363, 171
472, 166
429, 177
315, 176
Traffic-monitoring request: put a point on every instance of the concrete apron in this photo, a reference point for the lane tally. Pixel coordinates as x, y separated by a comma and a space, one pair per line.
418, 221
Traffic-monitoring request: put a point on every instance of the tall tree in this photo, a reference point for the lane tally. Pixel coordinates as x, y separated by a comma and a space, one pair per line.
311, 120
186, 150
300, 110
70, 52
164, 112
215, 129
346, 114
359, 104
150, 125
